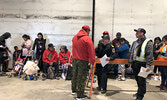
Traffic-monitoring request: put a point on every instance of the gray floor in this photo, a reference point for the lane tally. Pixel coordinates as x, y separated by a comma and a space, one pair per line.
17, 89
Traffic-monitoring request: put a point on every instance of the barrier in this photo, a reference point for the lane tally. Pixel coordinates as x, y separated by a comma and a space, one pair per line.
116, 61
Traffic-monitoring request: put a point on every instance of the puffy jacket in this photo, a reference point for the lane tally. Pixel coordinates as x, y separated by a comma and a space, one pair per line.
82, 47
46, 54
64, 57
123, 51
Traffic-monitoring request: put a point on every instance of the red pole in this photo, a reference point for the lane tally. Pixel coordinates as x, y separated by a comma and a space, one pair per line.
93, 71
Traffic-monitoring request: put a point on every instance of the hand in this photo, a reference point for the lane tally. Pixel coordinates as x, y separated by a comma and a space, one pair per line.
157, 51
51, 64
96, 57
68, 64
108, 59
148, 69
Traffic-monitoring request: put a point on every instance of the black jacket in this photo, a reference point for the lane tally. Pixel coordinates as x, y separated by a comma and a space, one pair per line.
37, 44
108, 49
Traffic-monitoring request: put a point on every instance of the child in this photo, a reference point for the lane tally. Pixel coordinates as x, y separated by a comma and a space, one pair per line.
18, 65
123, 51
65, 60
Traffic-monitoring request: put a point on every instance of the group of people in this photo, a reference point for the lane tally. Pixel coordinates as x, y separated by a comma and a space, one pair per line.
141, 53
37, 51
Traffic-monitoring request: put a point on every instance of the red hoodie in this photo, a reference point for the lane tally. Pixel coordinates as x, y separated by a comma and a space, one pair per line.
53, 54
64, 57
83, 48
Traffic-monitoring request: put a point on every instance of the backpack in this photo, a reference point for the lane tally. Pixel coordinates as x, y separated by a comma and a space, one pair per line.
50, 73
69, 73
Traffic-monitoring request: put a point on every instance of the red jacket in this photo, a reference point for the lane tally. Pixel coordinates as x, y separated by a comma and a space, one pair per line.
46, 58
82, 47
64, 57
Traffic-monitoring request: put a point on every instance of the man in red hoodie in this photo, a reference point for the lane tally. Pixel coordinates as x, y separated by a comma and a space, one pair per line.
50, 58
83, 52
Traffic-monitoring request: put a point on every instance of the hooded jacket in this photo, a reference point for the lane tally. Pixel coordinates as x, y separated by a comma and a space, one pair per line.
64, 57
4, 37
83, 48
46, 54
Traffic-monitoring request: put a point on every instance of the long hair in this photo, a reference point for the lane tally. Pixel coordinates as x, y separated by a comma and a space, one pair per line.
40, 34
127, 42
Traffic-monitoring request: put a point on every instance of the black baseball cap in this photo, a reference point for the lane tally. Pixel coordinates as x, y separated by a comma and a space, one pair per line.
140, 30
50, 45
118, 34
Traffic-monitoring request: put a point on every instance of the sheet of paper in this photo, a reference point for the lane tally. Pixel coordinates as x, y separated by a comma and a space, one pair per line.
143, 72
103, 60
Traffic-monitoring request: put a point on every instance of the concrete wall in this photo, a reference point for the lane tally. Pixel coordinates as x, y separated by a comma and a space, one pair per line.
126, 15
60, 20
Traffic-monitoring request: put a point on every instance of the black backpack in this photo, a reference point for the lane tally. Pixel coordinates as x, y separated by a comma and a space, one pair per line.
69, 73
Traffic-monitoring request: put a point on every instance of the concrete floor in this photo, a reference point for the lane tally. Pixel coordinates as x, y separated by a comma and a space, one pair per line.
17, 89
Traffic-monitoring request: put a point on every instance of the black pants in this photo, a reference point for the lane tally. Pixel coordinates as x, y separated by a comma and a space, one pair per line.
39, 57
163, 70
102, 76
155, 69
46, 66
141, 82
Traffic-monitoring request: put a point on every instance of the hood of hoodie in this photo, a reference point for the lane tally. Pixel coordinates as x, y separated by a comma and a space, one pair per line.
82, 33
6, 35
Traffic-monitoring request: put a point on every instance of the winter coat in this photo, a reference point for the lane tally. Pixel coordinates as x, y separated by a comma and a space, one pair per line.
108, 49
123, 51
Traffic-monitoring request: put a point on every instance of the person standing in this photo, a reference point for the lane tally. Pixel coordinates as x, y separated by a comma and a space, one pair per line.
116, 42
122, 53
157, 45
82, 52
104, 48
39, 44
162, 55
141, 55
3, 48
26, 48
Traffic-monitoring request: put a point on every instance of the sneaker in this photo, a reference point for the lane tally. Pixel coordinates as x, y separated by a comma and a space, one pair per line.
123, 79
103, 91
155, 79
135, 95
63, 77
74, 92
98, 88
119, 79
57, 78
81, 98
162, 88
159, 78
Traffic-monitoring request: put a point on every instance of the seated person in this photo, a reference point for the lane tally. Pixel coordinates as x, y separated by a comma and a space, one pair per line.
50, 58
65, 60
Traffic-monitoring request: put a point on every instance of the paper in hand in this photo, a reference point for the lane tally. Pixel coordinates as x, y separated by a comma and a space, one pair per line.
103, 60
143, 72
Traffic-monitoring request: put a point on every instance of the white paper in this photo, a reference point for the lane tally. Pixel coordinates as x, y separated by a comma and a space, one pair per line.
103, 60
143, 72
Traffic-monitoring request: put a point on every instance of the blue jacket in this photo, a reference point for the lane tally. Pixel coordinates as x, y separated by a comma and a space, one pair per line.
123, 51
